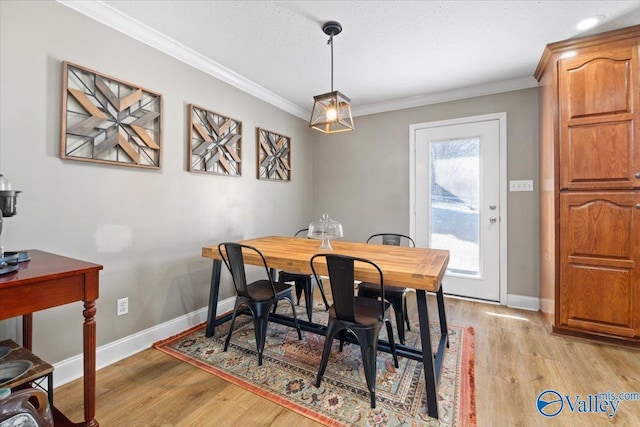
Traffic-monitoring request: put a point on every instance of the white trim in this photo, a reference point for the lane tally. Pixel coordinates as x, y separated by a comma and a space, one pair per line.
446, 96
523, 302
503, 207
135, 29
481, 301
107, 15
72, 368
502, 119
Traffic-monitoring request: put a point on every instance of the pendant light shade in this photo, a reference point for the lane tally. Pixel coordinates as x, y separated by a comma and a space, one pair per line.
331, 111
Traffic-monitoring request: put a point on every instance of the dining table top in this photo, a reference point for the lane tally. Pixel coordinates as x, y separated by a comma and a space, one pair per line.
417, 268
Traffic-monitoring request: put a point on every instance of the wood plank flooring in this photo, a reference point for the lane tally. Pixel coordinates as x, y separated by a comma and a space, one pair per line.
516, 359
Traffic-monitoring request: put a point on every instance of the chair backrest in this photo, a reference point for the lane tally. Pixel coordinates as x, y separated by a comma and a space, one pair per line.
301, 233
393, 239
234, 260
341, 278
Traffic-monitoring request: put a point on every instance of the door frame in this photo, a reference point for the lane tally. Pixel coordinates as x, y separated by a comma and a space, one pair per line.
502, 120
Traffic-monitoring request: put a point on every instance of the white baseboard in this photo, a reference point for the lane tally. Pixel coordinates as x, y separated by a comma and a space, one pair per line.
523, 302
72, 368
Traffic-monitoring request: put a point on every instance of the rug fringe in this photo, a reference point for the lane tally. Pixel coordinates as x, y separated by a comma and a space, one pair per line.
468, 415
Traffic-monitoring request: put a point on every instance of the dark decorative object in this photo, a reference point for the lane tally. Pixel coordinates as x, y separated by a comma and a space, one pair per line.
107, 120
8, 198
215, 143
274, 155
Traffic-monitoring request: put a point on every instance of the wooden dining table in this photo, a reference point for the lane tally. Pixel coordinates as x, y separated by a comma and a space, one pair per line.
419, 268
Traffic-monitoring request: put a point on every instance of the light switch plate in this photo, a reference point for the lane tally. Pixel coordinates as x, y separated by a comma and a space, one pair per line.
521, 185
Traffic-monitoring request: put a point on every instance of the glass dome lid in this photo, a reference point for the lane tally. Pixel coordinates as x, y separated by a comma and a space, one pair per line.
325, 229
5, 185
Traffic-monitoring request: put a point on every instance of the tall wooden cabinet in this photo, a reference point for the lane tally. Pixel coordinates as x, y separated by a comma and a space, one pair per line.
590, 186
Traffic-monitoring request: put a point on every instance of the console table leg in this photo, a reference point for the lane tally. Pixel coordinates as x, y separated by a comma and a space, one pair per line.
89, 344
27, 331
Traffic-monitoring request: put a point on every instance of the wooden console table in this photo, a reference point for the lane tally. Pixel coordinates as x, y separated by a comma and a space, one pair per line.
50, 280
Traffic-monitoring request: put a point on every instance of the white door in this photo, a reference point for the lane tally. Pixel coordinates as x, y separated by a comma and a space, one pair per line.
457, 203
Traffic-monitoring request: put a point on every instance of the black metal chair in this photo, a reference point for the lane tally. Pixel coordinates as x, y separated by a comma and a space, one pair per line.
303, 282
364, 317
397, 296
259, 296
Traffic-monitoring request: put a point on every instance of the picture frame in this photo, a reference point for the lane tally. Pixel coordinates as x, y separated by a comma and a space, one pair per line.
108, 120
215, 143
273, 155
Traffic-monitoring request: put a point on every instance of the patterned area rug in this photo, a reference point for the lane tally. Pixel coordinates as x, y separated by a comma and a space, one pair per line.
287, 375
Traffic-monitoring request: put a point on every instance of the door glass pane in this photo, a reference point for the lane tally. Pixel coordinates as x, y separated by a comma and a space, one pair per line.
455, 195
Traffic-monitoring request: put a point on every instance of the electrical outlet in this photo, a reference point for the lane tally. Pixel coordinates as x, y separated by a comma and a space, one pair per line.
122, 306
523, 185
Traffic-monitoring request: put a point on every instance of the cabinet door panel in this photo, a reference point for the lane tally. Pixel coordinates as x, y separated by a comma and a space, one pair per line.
599, 299
597, 84
598, 120
600, 262
599, 153
598, 227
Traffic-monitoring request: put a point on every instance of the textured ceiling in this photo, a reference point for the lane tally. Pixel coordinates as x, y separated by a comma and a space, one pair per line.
389, 53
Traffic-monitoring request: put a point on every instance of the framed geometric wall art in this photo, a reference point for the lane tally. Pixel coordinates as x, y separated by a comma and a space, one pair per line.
273, 155
215, 143
107, 120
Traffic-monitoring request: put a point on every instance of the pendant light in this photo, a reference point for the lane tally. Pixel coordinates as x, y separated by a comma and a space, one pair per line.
331, 111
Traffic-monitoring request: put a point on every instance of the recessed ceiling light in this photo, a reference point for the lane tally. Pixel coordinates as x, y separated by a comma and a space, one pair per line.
592, 21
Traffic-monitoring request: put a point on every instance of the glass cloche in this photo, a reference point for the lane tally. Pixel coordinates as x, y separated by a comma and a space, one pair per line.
325, 229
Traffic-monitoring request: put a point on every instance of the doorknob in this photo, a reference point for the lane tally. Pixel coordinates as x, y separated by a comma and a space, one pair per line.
638, 175
638, 206
493, 219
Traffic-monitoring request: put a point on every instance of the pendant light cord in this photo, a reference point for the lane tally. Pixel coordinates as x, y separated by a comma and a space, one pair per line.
331, 43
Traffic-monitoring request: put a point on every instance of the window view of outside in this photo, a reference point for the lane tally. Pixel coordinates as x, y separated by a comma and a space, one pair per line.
455, 193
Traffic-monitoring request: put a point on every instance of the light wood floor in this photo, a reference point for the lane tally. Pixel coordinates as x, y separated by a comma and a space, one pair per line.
516, 359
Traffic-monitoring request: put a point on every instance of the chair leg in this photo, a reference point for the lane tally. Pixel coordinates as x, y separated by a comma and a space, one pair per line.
406, 312
343, 338
306, 286
308, 296
260, 321
233, 322
332, 329
295, 317
397, 303
392, 344
299, 289
324, 297
368, 339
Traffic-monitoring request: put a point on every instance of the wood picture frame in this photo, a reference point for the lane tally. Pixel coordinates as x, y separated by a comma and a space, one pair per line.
107, 120
215, 143
273, 156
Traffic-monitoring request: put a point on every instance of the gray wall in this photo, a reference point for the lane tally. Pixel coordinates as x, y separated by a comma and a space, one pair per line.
146, 227
361, 178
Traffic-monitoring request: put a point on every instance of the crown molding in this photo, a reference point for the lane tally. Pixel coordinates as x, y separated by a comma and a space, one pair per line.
133, 28
115, 19
446, 96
